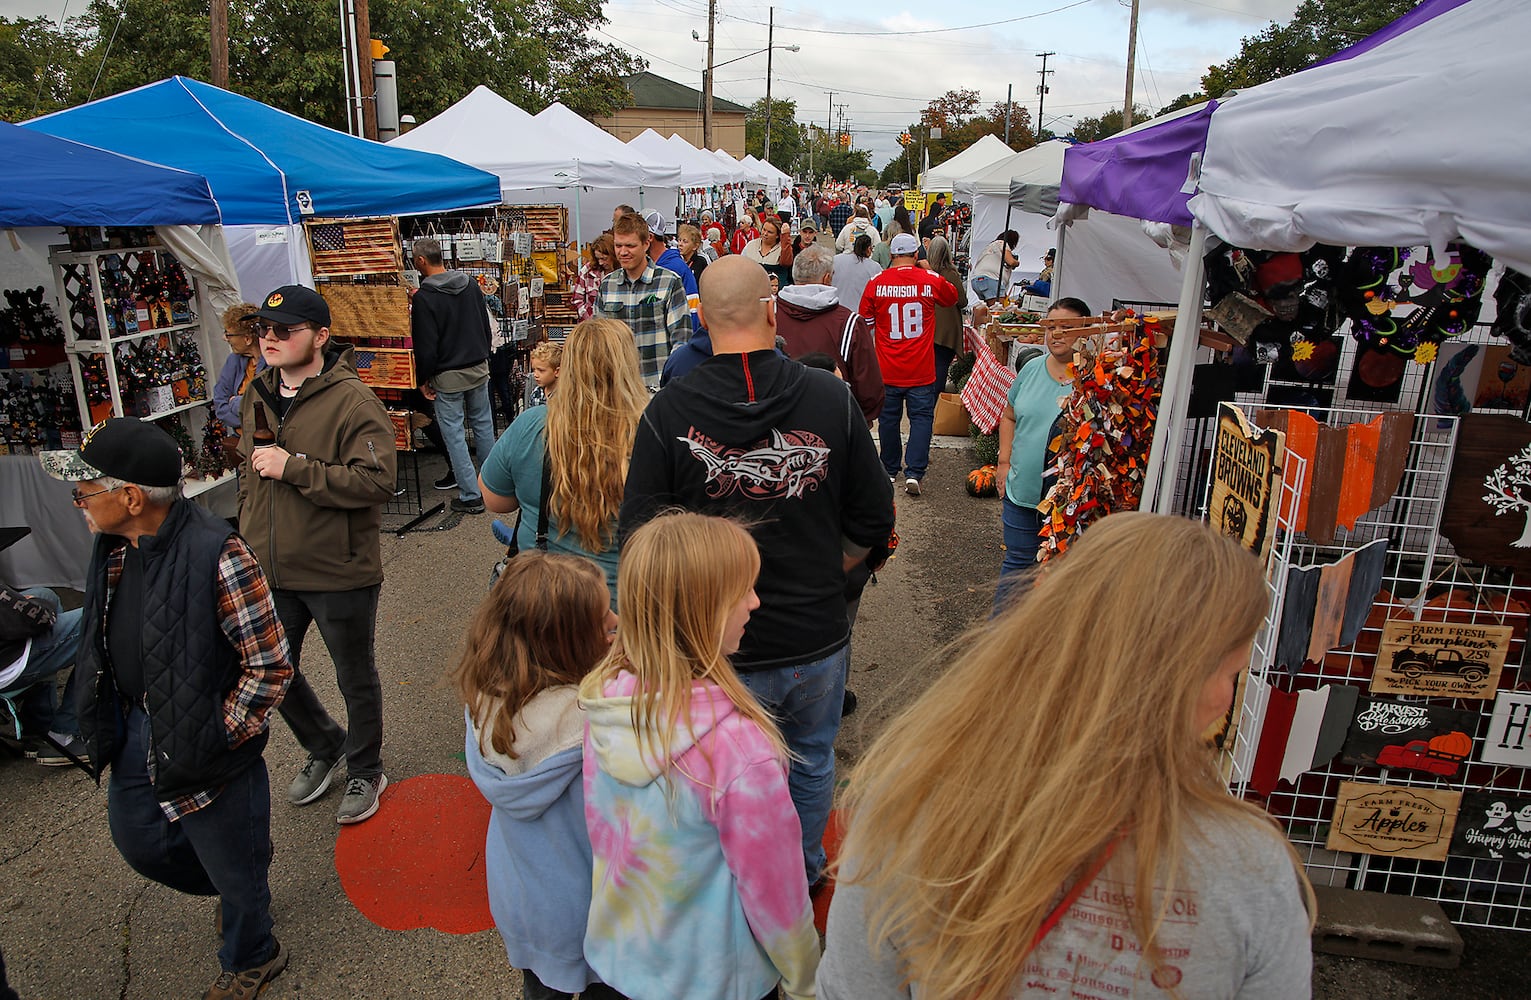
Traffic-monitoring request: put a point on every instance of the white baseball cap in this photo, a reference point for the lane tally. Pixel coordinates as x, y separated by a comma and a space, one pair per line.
657, 224
904, 245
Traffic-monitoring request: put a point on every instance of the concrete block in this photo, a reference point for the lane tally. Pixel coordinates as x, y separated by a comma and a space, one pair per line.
1385, 927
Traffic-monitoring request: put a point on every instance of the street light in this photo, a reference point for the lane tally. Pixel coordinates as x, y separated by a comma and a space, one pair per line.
1052, 120
711, 66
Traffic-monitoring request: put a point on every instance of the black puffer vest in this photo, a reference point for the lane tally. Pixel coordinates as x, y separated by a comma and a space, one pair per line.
189, 664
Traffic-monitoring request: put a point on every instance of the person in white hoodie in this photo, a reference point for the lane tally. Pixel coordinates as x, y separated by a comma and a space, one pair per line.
544, 625
861, 225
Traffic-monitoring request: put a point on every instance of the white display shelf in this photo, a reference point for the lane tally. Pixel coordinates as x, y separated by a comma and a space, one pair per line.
197, 487
87, 346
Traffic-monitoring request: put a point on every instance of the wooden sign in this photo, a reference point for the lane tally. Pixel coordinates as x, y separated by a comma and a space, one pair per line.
1440, 659
1246, 480
1351, 470
1494, 826
1392, 820
1509, 731
1487, 517
1411, 736
1326, 605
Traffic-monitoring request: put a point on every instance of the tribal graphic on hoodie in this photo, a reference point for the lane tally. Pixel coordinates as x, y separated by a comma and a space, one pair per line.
788, 466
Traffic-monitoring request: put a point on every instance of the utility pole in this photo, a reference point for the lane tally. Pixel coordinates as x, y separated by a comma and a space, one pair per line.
1009, 106
218, 36
1042, 91
1132, 52
367, 86
712, 14
770, 40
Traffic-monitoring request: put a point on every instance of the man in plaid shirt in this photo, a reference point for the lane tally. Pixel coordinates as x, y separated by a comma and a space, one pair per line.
183, 659
647, 298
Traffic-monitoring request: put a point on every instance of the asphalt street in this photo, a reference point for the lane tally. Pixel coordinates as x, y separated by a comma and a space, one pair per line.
76, 922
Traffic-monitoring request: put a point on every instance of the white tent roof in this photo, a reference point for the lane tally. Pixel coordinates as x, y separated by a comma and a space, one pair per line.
984, 152
772, 175
1333, 154
687, 153
1041, 164
489, 132
692, 174
569, 126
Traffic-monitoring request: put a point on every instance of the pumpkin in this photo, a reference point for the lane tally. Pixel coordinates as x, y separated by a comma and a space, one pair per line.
1453, 744
981, 482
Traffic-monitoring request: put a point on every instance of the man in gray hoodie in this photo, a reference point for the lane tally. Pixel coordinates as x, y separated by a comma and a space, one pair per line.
450, 327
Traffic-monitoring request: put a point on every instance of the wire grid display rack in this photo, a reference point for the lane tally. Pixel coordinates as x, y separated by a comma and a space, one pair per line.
1422, 577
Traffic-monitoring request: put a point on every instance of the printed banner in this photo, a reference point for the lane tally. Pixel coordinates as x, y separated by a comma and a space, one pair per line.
1388, 819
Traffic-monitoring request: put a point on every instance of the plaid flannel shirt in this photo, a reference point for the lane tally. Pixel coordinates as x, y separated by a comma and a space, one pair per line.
584, 291
248, 619
655, 307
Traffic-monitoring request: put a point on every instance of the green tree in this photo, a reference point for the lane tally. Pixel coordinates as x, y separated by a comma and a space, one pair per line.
1108, 124
37, 60
841, 164
789, 141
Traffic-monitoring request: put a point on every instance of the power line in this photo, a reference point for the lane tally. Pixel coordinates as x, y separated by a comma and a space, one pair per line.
925, 31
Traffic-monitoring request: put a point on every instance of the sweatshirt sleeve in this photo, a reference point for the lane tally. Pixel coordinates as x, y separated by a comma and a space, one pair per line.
762, 846
944, 292
363, 475
226, 395
867, 506
860, 352
649, 487
850, 970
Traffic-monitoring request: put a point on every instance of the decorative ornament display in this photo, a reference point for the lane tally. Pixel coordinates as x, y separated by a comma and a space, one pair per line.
1401, 298
1276, 303
981, 482
1106, 427
1326, 605
1300, 732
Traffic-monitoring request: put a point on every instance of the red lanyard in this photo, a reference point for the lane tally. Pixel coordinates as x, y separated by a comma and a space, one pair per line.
1074, 893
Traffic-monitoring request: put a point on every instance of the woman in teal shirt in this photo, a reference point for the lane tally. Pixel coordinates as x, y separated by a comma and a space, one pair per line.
1025, 426
586, 431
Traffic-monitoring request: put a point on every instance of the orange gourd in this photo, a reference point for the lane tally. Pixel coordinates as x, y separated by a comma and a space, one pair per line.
981, 482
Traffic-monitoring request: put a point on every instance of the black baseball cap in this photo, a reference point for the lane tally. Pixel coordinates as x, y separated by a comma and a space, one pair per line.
125, 448
293, 304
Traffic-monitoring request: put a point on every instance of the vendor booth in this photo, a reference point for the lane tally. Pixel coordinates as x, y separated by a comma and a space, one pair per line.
986, 152
1344, 409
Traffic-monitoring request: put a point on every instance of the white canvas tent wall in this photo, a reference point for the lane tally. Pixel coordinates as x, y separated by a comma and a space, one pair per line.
543, 161
1272, 180
1107, 258
985, 152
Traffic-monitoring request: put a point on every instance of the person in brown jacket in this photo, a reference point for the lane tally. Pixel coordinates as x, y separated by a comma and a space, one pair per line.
948, 318
319, 465
810, 317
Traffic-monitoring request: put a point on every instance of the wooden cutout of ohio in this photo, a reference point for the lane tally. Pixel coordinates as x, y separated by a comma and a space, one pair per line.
1392, 820
1440, 659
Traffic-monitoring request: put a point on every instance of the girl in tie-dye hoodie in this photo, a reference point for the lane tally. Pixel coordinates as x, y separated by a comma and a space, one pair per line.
697, 891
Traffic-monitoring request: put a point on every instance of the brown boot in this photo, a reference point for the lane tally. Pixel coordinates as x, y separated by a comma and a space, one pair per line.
247, 984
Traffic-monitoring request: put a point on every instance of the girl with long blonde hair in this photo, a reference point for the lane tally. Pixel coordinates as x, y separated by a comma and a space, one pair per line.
698, 885
1046, 819
585, 435
544, 625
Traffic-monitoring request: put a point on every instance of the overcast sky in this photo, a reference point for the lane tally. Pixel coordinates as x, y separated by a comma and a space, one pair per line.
885, 60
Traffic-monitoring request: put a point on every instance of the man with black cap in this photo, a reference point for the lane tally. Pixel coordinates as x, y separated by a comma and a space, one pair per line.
320, 463
182, 658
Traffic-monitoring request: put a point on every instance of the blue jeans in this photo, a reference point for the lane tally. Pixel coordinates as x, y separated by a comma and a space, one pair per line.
222, 849
347, 621
806, 702
451, 407
41, 708
987, 288
1022, 542
921, 402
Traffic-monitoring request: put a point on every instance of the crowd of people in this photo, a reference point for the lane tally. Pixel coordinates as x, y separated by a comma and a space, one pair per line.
653, 686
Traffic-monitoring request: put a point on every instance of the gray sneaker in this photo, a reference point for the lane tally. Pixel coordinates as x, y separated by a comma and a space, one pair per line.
361, 798
313, 781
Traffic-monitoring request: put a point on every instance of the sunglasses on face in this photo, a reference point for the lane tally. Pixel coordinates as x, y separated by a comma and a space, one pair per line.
280, 332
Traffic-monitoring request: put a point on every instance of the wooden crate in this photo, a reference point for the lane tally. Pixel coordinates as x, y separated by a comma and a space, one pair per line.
342, 247
380, 311
386, 367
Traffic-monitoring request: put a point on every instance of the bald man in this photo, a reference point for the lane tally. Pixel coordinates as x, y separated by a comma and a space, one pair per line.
751, 434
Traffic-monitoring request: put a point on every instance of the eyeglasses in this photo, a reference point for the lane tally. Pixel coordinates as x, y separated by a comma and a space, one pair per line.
80, 498
280, 332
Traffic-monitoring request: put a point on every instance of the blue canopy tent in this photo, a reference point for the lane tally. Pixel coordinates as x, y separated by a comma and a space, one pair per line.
258, 159
55, 182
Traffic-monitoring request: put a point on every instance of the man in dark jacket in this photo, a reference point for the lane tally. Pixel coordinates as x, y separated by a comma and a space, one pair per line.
38, 640
181, 659
310, 504
449, 325
810, 317
753, 434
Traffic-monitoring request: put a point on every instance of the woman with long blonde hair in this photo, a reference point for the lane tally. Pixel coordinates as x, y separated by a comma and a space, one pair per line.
698, 889
1046, 820
585, 435
544, 625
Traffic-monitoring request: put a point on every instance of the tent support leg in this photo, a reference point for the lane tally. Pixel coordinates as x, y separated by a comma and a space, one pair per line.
1158, 485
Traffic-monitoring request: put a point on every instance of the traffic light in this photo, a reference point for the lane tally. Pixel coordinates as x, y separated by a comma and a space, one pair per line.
845, 140
905, 139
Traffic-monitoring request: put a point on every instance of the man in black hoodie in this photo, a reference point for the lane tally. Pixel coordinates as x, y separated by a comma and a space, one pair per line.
751, 434
450, 328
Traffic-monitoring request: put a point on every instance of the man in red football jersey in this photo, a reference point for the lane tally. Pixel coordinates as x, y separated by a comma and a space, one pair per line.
901, 303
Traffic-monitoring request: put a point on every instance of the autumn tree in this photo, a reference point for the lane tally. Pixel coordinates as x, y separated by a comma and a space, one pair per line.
789, 144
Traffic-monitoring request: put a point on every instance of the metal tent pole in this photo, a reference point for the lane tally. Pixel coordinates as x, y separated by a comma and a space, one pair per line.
1158, 484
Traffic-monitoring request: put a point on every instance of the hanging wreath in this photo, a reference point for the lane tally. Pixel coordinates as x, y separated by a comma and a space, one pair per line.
1406, 300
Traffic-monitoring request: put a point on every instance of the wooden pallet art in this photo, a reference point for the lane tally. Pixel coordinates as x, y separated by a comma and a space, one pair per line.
344, 247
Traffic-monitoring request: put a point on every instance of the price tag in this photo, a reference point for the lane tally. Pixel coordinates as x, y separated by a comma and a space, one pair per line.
521, 329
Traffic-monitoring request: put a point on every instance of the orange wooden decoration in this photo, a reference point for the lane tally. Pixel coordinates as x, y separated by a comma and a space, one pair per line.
1361, 442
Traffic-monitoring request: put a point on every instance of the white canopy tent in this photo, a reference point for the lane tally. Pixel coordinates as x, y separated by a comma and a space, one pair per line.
773, 179
546, 161
1309, 159
687, 153
694, 171
1108, 258
984, 153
